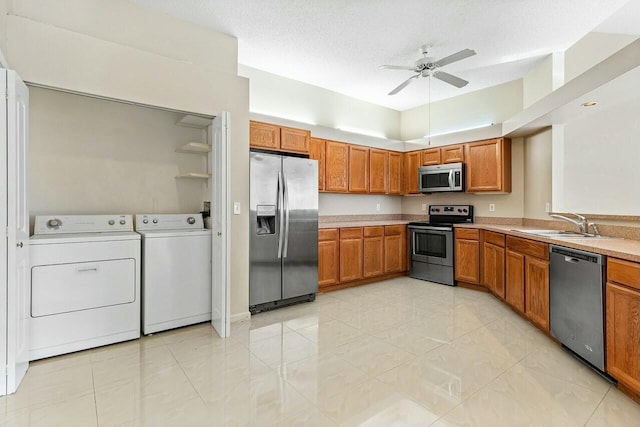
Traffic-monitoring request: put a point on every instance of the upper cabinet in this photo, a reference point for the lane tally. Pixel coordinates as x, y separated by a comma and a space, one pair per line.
358, 169
316, 152
411, 165
488, 165
273, 137
395, 173
452, 153
378, 171
336, 167
430, 157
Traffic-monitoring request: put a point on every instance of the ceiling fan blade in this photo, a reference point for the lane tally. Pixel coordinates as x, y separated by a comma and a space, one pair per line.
450, 78
396, 67
404, 84
465, 53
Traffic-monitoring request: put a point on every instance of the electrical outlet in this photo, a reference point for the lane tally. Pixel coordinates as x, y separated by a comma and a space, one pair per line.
236, 208
547, 207
424, 206
492, 207
378, 207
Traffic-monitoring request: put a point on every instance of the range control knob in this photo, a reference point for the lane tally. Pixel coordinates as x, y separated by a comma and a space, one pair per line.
123, 222
191, 220
111, 222
155, 221
145, 221
459, 210
54, 223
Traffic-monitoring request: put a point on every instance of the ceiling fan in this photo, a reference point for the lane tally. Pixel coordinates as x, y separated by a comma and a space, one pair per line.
426, 66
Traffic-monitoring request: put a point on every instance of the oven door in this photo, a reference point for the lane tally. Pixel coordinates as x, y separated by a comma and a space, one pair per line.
433, 245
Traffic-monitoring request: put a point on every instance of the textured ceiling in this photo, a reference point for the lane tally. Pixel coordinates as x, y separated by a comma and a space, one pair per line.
339, 44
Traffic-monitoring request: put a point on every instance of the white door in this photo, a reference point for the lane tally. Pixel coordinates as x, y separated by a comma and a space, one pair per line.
3, 229
219, 161
18, 277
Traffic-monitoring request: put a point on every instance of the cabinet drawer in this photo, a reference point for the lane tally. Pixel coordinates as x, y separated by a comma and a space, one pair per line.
528, 247
495, 238
374, 231
328, 234
623, 272
351, 233
468, 233
394, 230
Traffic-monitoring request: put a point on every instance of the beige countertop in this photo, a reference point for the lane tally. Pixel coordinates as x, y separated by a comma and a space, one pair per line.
614, 247
346, 224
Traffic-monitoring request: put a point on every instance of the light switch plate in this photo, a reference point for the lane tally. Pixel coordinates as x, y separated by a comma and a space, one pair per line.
378, 207
236, 208
547, 207
424, 206
492, 207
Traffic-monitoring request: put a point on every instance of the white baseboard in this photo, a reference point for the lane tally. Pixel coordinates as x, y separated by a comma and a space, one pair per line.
239, 317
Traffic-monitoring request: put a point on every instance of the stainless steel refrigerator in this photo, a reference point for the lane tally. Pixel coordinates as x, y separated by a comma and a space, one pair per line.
283, 224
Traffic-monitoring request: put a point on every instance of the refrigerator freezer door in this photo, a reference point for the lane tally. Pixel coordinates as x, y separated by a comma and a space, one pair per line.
300, 250
265, 272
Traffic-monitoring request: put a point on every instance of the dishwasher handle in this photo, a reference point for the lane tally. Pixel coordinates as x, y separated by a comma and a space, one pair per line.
575, 256
571, 259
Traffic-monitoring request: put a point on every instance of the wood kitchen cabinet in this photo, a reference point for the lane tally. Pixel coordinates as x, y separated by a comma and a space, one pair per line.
452, 153
395, 248
328, 257
493, 256
378, 171
430, 157
351, 254
336, 177
527, 269
488, 165
467, 255
373, 249
280, 138
395, 172
316, 152
411, 165
358, 169
623, 323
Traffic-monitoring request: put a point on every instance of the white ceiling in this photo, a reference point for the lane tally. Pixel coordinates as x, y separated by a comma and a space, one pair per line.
339, 44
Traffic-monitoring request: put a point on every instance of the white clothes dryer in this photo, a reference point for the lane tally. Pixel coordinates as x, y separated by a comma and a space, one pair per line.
176, 271
85, 283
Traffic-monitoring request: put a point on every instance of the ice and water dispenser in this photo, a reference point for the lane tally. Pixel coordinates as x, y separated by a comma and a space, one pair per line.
266, 215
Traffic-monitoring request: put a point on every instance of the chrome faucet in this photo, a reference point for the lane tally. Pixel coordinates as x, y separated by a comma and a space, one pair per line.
582, 223
594, 227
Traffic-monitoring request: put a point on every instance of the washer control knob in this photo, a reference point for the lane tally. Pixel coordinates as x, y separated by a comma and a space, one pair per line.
191, 220
111, 222
54, 223
123, 222
145, 221
155, 221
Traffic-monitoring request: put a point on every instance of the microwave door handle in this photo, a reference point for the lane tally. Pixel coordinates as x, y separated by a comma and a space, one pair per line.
451, 178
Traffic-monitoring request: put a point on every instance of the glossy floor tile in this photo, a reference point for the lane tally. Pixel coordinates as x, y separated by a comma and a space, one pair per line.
397, 353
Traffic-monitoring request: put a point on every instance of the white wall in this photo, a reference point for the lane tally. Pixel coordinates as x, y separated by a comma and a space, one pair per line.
537, 174
592, 49
507, 205
491, 105
91, 156
358, 204
543, 79
290, 99
4, 7
73, 60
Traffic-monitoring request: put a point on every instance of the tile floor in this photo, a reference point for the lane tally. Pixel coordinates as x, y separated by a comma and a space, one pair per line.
399, 352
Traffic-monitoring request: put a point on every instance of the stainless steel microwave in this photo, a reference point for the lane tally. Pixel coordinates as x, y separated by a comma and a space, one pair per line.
438, 178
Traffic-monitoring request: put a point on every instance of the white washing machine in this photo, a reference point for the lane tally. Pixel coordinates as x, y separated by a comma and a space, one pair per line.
176, 271
85, 283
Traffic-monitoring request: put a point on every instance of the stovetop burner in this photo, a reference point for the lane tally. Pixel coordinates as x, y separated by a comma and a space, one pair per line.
447, 215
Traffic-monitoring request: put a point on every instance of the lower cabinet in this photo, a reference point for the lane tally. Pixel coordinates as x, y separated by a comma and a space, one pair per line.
514, 286
467, 255
493, 268
395, 248
623, 323
536, 288
373, 251
351, 254
328, 257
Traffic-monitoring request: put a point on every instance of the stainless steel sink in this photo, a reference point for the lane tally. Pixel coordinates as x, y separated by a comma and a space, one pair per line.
559, 233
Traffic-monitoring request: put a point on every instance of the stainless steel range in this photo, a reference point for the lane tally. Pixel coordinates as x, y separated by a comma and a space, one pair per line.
432, 256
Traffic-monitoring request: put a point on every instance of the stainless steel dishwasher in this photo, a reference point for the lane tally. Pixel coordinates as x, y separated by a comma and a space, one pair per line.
576, 302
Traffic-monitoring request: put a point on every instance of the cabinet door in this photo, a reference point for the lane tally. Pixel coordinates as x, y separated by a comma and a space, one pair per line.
395, 173
493, 271
358, 169
452, 154
316, 152
295, 140
537, 291
623, 338
467, 261
514, 292
350, 259
378, 171
264, 135
411, 165
392, 254
328, 263
488, 165
373, 256
430, 157
336, 167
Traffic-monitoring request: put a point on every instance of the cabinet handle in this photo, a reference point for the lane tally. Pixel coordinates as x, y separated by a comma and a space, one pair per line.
20, 245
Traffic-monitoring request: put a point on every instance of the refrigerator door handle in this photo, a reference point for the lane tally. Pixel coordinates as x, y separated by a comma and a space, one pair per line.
286, 214
280, 212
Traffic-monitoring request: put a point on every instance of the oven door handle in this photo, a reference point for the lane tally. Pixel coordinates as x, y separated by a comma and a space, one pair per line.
451, 178
430, 230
